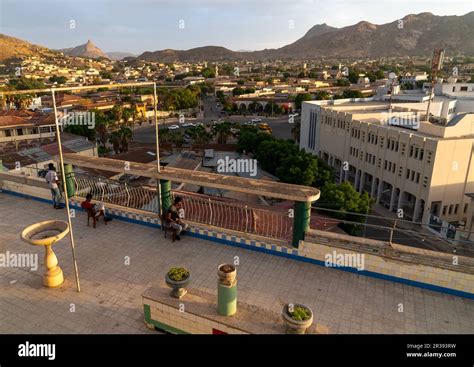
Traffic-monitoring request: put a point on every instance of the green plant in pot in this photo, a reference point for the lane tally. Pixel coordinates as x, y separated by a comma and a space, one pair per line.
178, 279
297, 317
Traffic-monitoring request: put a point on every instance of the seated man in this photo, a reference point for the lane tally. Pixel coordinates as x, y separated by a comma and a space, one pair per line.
97, 209
173, 217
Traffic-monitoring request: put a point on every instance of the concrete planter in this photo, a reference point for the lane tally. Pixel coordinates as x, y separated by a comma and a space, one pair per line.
178, 287
227, 274
296, 326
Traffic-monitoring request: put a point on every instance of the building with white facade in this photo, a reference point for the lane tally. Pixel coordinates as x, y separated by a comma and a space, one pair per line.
403, 161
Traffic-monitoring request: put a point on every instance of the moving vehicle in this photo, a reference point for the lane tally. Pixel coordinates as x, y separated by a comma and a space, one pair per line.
256, 121
173, 127
264, 126
188, 124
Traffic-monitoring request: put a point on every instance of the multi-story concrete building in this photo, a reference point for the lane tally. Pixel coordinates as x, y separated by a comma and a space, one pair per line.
403, 161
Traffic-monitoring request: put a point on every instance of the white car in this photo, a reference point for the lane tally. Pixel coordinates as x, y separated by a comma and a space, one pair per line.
188, 124
173, 127
256, 121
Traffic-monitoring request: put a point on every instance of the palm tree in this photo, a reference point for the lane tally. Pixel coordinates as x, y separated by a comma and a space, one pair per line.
115, 140
125, 136
199, 135
101, 126
177, 138
117, 113
222, 132
295, 131
164, 136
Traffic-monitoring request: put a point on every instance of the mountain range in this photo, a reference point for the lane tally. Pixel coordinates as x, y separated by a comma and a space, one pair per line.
413, 35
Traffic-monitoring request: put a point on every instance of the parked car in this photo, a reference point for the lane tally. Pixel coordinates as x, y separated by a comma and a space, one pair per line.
173, 127
256, 121
188, 124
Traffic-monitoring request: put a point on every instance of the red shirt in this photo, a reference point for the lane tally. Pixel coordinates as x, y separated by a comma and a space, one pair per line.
87, 205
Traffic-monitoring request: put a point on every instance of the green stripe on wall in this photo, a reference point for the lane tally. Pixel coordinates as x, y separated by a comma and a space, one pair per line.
160, 325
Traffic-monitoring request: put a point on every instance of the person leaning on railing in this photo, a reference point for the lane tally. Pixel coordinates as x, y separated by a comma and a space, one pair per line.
172, 216
52, 179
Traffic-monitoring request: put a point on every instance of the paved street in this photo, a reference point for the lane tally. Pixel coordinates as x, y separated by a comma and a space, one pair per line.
110, 300
280, 125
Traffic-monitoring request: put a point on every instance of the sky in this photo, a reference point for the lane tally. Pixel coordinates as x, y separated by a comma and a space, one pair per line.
148, 25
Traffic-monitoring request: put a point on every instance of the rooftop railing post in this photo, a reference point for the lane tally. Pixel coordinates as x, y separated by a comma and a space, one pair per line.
70, 182
301, 221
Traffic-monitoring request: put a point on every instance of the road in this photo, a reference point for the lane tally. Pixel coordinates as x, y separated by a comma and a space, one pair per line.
280, 125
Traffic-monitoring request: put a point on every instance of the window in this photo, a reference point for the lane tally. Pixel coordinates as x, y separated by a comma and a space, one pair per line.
417, 177
464, 89
450, 211
444, 209
465, 208
422, 152
408, 174
19, 132
411, 150
400, 171
425, 181
8, 133
456, 208
429, 156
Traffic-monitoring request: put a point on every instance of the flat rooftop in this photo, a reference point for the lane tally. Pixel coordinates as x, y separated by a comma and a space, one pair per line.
110, 300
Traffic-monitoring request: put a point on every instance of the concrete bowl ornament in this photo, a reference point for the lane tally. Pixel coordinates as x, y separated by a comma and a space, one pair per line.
178, 279
227, 274
46, 234
297, 318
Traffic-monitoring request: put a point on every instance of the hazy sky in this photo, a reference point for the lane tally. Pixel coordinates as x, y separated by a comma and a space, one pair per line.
149, 25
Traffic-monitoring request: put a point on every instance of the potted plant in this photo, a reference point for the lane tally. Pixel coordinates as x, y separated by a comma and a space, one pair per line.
177, 279
297, 318
226, 273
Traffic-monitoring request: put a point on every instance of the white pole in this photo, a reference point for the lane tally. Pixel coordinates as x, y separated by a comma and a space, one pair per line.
66, 198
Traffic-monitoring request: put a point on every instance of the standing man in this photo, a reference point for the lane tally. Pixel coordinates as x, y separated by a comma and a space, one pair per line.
53, 182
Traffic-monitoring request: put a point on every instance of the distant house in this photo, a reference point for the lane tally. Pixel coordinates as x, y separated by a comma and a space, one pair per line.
16, 125
190, 80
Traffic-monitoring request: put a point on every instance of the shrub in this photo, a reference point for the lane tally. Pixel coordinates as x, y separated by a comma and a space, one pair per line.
178, 274
300, 314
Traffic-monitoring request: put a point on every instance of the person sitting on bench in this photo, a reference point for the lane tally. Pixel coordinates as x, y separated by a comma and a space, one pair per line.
97, 209
173, 218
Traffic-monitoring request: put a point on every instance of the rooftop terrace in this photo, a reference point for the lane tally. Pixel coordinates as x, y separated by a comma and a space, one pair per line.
110, 299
